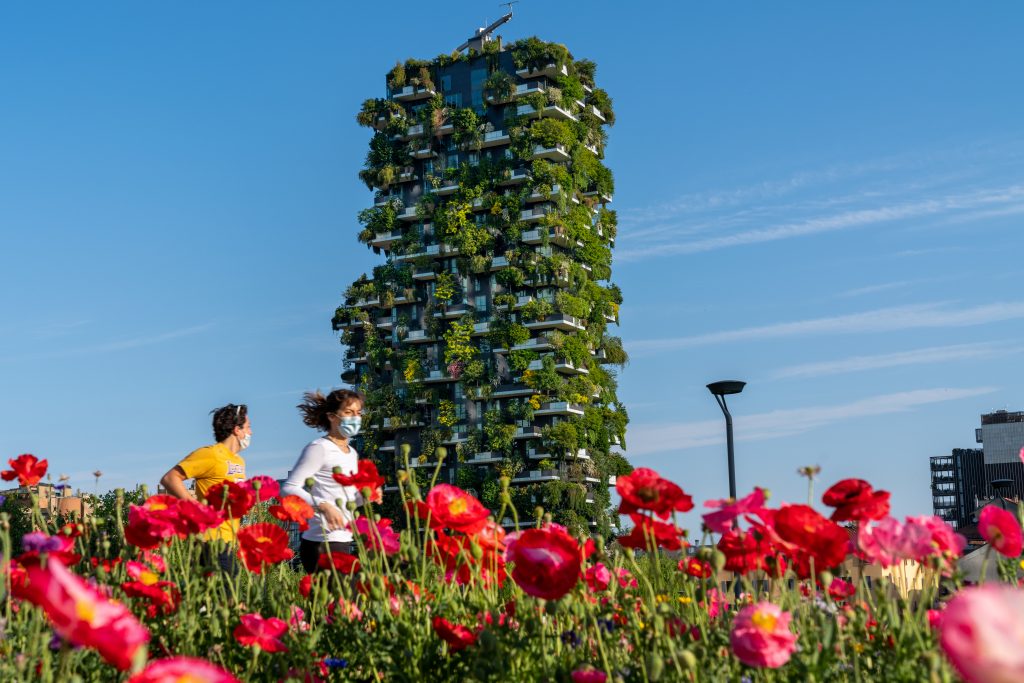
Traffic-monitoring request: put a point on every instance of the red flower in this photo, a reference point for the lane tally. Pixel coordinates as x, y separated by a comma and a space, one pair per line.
366, 477
751, 550
696, 568
80, 613
27, 468
343, 562
164, 596
598, 577
383, 538
178, 669
153, 522
721, 521
854, 499
814, 537
546, 562
293, 509
261, 544
262, 487
262, 633
664, 534
234, 500
645, 489
306, 585
1001, 529
195, 517
457, 510
457, 636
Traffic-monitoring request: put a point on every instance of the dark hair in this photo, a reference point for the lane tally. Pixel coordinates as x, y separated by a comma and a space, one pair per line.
315, 407
227, 418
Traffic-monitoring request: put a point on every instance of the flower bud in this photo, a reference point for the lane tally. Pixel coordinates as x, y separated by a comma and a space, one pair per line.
538, 512
256, 484
655, 666
689, 660
441, 452
826, 579
704, 553
405, 449
351, 506
476, 551
718, 560
309, 483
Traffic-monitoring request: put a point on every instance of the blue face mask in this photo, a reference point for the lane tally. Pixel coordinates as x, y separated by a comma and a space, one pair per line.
349, 426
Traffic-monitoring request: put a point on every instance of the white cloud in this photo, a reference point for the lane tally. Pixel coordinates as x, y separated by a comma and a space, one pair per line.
930, 315
979, 200
645, 439
934, 354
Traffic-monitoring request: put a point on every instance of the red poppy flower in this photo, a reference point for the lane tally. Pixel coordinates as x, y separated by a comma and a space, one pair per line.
153, 522
262, 544
163, 596
380, 537
195, 517
664, 534
256, 631
365, 477
854, 499
456, 509
262, 487
695, 568
645, 489
342, 562
107, 565
72, 530
457, 636
813, 537
80, 613
306, 585
420, 510
598, 577
178, 669
27, 468
1002, 530
751, 550
546, 562
233, 500
293, 509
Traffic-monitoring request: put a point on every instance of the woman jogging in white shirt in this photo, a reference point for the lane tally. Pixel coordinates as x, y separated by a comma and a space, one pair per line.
339, 414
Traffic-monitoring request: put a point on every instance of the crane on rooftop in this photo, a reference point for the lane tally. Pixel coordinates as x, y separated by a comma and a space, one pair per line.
483, 35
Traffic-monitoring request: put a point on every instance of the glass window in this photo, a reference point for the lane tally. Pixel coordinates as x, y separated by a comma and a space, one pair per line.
453, 99
476, 86
446, 83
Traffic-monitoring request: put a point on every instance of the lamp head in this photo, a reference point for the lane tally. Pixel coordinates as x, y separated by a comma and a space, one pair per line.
726, 387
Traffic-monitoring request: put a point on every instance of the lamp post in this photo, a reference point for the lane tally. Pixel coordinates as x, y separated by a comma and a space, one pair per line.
720, 390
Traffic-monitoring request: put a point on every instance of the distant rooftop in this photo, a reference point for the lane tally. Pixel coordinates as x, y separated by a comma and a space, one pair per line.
1002, 417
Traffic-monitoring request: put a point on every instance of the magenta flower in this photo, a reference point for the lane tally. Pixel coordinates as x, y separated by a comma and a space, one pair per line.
383, 539
1002, 531
933, 537
598, 577
761, 637
982, 633
885, 543
721, 520
588, 674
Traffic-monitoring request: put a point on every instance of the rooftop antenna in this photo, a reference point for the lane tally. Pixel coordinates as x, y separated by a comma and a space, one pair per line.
483, 35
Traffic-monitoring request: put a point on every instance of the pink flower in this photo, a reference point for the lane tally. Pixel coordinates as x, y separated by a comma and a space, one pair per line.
588, 674
722, 520
383, 539
625, 579
178, 669
761, 637
715, 602
884, 543
1002, 530
598, 577
982, 633
937, 538
255, 631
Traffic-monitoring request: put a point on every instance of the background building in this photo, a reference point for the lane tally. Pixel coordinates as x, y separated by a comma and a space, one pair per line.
486, 329
962, 482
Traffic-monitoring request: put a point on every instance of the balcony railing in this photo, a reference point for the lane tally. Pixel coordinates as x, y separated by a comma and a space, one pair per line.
411, 93
495, 137
556, 153
552, 110
551, 71
559, 321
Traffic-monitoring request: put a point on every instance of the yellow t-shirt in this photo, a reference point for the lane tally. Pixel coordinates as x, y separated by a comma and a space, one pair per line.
212, 465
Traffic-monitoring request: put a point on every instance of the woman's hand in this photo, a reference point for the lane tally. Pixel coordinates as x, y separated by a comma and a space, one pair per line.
332, 516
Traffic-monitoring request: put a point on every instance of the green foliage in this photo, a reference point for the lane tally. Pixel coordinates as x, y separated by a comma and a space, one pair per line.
500, 435
562, 438
458, 343
467, 128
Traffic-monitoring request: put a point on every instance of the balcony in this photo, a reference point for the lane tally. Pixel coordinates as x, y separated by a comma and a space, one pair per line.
418, 337
540, 343
408, 214
495, 138
485, 457
517, 175
411, 93
457, 438
538, 197
613, 480
499, 262
537, 475
554, 235
551, 71
387, 446
559, 321
481, 328
413, 132
423, 153
556, 153
534, 214
600, 196
566, 367
386, 199
448, 188
551, 110
436, 376
407, 176
559, 408
530, 432
453, 311
532, 88
385, 239
385, 323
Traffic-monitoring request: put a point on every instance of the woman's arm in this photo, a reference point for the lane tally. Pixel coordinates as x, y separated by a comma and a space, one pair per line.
308, 464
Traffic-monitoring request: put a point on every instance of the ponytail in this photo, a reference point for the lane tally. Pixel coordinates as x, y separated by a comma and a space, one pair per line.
315, 407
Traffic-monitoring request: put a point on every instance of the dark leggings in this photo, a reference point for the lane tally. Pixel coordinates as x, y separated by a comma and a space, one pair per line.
309, 552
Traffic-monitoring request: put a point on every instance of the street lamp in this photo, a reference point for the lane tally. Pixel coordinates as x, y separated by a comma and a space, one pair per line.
720, 390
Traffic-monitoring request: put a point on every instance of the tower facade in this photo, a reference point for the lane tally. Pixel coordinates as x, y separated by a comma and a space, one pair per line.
486, 328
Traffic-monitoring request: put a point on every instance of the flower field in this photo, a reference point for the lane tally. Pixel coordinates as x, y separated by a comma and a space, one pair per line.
445, 594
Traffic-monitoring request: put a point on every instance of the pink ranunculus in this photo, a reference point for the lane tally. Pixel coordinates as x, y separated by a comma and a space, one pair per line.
1002, 530
177, 669
588, 674
982, 633
884, 543
722, 519
598, 577
938, 539
761, 637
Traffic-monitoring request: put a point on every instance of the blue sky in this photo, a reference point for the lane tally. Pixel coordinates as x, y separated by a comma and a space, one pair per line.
825, 200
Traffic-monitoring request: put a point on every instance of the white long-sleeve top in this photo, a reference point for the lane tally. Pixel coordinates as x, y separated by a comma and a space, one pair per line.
318, 460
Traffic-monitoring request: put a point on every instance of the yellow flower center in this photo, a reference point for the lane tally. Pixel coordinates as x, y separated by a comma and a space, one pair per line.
457, 506
148, 578
85, 610
764, 621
